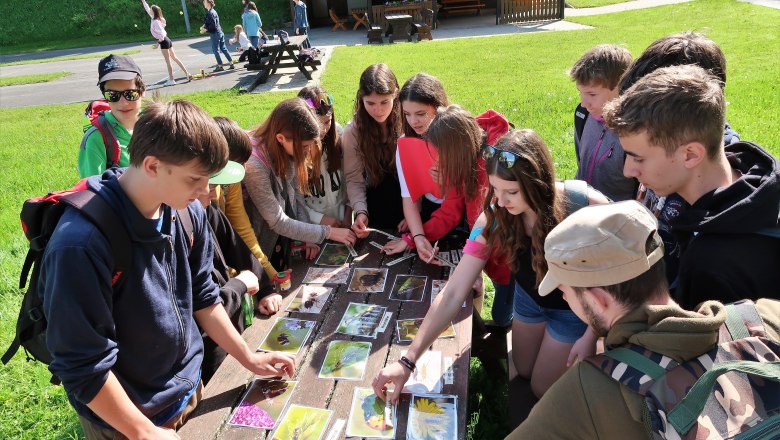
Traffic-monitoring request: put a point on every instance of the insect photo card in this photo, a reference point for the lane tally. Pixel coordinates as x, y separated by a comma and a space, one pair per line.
310, 298
432, 417
345, 360
263, 403
333, 255
368, 280
363, 320
287, 335
407, 329
326, 275
408, 288
369, 416
302, 422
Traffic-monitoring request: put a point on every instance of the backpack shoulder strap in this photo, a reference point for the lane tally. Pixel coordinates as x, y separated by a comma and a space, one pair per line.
103, 215
185, 218
113, 149
633, 366
743, 320
576, 192
580, 117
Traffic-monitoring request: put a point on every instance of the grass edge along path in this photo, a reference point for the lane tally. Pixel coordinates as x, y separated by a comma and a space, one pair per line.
578, 4
523, 76
31, 79
69, 58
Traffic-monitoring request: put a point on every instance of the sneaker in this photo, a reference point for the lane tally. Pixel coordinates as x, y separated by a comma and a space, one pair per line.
232, 66
170, 82
218, 69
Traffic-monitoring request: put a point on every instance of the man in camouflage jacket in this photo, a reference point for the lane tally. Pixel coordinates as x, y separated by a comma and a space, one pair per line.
612, 254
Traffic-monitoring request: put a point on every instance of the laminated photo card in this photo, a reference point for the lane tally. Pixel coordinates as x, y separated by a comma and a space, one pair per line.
408, 288
333, 255
327, 275
436, 286
407, 329
368, 280
426, 378
263, 403
310, 298
369, 416
364, 320
302, 422
432, 417
345, 360
287, 335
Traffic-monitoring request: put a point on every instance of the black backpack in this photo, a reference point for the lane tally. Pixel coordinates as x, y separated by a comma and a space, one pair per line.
40, 216
253, 55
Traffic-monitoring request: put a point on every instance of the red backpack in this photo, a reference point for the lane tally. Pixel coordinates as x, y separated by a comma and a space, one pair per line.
95, 113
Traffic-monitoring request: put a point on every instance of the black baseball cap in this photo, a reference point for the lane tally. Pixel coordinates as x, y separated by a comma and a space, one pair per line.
117, 67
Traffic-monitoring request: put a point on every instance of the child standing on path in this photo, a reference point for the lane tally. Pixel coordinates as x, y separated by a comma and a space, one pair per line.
211, 25
157, 27
301, 21
253, 26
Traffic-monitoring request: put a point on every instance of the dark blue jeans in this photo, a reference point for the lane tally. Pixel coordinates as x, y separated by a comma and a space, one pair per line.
217, 45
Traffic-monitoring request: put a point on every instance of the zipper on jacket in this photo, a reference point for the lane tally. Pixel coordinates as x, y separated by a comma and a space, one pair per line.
173, 296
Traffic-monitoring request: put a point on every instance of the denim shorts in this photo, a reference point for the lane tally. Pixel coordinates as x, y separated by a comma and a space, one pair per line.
563, 325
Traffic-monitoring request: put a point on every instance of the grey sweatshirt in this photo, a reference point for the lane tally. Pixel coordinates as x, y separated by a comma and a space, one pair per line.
600, 161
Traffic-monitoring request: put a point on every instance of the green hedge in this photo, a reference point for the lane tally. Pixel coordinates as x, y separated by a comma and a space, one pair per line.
41, 20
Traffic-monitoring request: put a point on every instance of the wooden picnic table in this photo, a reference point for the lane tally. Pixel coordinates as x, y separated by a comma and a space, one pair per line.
282, 56
223, 393
398, 26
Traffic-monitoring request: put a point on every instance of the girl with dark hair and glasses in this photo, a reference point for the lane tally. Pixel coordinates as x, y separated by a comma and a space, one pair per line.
327, 198
524, 202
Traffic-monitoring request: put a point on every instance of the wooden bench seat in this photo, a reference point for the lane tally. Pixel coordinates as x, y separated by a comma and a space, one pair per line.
459, 6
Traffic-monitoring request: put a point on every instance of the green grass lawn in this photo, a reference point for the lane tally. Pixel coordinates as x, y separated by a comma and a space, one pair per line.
522, 76
32, 79
592, 3
70, 57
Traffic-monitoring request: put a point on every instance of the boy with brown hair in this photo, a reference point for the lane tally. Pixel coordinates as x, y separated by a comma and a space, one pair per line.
671, 125
129, 354
599, 154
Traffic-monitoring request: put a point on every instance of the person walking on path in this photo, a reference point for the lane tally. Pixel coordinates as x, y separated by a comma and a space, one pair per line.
157, 27
211, 25
253, 26
301, 21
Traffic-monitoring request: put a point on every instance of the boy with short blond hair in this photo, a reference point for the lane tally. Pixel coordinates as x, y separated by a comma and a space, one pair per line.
129, 354
599, 154
671, 124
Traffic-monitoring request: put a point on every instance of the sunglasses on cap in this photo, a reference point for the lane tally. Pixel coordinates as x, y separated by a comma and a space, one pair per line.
115, 95
506, 158
322, 104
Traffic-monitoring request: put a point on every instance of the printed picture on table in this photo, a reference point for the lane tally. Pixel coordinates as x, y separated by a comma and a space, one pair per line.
407, 329
367, 416
361, 320
333, 255
345, 360
326, 275
408, 288
368, 280
426, 377
287, 335
432, 417
263, 403
436, 286
309, 299
302, 423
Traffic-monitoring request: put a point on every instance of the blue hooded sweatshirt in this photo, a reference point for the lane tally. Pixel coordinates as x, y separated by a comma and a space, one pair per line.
144, 332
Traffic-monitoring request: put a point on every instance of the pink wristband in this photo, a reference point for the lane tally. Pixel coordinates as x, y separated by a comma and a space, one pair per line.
409, 240
476, 249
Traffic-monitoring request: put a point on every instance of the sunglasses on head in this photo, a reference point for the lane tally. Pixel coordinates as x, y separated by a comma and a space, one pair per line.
322, 104
506, 158
115, 95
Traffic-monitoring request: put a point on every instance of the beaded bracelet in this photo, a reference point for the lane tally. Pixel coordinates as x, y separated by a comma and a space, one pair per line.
407, 363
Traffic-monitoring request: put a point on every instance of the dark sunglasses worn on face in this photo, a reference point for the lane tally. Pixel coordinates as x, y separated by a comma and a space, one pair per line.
506, 158
115, 95
322, 104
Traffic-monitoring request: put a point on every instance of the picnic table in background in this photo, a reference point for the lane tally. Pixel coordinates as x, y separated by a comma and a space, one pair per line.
398, 26
278, 54
223, 393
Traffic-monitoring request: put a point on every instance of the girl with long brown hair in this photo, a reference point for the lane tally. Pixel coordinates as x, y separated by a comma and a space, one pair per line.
523, 203
157, 28
369, 142
277, 178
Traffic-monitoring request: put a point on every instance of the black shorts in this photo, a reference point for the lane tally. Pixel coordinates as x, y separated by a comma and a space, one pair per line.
166, 43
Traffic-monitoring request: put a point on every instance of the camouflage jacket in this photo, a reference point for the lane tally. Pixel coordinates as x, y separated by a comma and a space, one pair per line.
586, 404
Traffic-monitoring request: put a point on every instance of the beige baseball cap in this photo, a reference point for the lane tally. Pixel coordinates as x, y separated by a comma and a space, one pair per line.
601, 245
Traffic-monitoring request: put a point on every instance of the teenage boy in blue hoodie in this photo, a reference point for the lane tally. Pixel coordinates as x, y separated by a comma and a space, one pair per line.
130, 357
